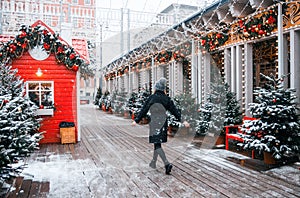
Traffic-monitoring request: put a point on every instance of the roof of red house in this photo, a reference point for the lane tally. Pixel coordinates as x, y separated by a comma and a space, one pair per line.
5, 38
79, 45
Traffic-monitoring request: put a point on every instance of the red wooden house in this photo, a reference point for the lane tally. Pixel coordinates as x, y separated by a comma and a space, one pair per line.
49, 67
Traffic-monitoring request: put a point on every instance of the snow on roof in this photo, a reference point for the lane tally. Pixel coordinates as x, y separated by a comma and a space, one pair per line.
80, 45
6, 38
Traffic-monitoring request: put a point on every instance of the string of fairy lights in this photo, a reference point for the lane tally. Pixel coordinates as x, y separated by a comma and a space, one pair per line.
195, 28
179, 35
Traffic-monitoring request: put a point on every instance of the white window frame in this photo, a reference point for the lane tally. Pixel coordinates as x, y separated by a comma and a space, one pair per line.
47, 110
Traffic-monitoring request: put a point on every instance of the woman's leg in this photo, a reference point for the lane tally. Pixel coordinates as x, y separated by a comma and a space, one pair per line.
159, 151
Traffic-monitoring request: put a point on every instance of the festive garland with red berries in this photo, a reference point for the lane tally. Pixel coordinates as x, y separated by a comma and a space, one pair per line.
39, 36
179, 54
214, 40
250, 28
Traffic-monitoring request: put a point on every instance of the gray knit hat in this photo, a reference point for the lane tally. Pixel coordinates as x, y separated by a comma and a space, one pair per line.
161, 84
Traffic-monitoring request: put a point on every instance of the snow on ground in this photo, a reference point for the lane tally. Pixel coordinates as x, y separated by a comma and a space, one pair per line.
81, 178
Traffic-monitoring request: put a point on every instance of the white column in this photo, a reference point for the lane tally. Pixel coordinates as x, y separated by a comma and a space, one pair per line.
227, 65
295, 62
135, 81
233, 69
194, 70
206, 76
171, 78
285, 59
160, 71
153, 71
146, 77
280, 42
78, 105
248, 77
200, 65
179, 78
239, 62
129, 79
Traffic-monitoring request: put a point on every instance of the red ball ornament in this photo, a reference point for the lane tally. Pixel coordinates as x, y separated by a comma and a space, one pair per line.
219, 36
45, 32
46, 46
24, 45
72, 56
162, 59
261, 32
241, 23
203, 42
41, 106
60, 49
274, 100
271, 20
23, 34
12, 48
75, 68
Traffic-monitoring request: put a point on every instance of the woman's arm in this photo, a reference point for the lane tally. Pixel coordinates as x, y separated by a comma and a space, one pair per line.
174, 111
143, 111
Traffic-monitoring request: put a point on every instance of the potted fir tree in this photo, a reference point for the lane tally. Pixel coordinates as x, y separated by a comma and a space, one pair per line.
220, 109
276, 130
119, 103
188, 107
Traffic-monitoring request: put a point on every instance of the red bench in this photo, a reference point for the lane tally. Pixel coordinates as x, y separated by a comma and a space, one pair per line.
238, 135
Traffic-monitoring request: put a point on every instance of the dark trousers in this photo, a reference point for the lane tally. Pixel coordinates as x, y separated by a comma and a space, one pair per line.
159, 151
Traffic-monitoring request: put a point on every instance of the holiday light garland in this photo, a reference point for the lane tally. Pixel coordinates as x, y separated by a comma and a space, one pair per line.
39, 36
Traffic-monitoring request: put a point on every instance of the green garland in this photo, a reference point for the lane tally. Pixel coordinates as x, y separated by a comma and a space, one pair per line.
39, 36
214, 40
258, 26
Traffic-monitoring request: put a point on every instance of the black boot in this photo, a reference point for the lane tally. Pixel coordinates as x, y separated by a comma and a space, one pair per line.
168, 168
153, 164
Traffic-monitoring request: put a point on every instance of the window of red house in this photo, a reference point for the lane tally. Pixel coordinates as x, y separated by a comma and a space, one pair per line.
42, 94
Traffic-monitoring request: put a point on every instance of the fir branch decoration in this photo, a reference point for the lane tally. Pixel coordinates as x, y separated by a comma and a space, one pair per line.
39, 36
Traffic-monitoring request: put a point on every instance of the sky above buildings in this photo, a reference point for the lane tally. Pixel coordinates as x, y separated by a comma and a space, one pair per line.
154, 6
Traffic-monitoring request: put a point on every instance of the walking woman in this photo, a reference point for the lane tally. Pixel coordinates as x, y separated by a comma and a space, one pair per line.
157, 104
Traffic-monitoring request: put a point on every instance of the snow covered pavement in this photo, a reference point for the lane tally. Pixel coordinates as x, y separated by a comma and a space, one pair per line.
112, 158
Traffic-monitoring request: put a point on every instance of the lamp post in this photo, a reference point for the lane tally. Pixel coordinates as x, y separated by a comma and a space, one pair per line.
100, 58
99, 71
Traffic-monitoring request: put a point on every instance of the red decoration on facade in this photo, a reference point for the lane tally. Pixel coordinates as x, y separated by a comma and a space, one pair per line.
46, 46
75, 68
72, 56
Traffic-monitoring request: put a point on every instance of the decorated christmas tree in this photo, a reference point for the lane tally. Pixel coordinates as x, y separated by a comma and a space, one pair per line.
186, 103
119, 102
233, 114
98, 96
19, 126
105, 101
218, 99
136, 101
276, 129
220, 109
203, 123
